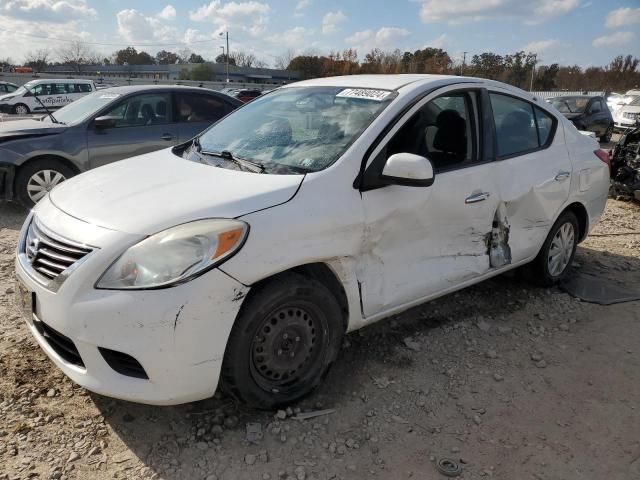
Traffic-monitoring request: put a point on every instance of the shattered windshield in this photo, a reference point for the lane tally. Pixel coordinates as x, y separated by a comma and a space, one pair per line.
302, 129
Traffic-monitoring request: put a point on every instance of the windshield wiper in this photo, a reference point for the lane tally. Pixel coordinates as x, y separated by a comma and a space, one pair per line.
53, 119
241, 162
568, 107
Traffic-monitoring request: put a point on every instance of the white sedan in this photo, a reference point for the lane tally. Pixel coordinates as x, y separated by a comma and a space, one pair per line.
241, 258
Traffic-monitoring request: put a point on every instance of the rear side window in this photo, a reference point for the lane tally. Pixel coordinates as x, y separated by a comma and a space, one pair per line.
197, 107
79, 88
518, 128
596, 106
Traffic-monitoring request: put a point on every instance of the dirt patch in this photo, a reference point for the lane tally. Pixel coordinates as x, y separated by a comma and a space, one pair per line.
510, 381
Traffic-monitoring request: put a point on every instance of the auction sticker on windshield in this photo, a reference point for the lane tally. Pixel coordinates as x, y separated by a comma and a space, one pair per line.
364, 93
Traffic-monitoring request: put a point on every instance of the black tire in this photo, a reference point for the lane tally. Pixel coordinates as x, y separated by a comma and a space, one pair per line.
17, 106
606, 138
27, 171
538, 271
270, 360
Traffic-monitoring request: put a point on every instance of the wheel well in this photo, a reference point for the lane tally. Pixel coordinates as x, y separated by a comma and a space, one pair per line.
583, 218
68, 163
323, 274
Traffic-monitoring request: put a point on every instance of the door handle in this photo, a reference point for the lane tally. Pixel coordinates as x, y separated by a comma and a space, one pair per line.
167, 137
562, 176
477, 197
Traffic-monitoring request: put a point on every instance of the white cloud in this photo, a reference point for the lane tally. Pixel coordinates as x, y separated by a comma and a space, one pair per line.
135, 27
439, 42
302, 4
614, 40
622, 17
539, 46
55, 11
167, 13
459, 11
248, 17
385, 37
331, 22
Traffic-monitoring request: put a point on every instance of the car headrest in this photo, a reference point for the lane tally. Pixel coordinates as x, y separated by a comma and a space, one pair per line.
451, 136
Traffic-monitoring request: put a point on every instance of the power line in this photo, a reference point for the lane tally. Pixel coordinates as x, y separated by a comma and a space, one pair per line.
43, 37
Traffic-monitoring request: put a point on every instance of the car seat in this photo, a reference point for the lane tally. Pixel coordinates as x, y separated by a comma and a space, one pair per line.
450, 139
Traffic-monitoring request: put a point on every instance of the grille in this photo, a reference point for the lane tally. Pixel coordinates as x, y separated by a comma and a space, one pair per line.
123, 364
49, 254
62, 345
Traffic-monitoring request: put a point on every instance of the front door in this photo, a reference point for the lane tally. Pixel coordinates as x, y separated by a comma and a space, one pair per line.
141, 124
533, 170
421, 241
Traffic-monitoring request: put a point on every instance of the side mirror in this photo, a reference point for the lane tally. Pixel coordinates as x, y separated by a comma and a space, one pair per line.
104, 122
408, 169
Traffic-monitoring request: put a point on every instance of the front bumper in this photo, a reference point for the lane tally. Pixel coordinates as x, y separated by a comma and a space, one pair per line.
6, 108
178, 335
624, 126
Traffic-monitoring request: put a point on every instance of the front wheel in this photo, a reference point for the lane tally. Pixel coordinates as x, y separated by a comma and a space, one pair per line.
285, 338
34, 180
552, 263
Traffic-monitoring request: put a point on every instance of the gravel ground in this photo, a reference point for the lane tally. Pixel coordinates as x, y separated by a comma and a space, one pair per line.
510, 380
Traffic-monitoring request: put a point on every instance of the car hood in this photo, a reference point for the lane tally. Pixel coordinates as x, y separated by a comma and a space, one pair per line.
155, 191
28, 128
631, 109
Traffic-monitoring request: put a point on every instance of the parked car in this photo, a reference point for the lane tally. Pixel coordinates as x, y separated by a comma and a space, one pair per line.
246, 95
627, 117
7, 87
52, 94
587, 113
242, 257
615, 101
100, 128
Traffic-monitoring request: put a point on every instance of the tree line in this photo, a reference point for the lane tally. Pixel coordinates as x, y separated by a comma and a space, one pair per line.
520, 69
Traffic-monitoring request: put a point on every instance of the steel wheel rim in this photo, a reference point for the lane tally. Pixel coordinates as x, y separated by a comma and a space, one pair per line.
286, 347
42, 182
21, 110
561, 249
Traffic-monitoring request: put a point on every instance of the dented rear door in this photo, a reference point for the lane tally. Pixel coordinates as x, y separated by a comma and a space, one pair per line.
534, 182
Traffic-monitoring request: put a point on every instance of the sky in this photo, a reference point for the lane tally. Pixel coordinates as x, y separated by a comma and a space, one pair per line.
582, 32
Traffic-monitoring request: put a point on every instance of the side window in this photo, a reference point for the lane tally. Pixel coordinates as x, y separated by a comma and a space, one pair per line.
516, 130
11, 88
141, 110
545, 126
197, 107
596, 107
41, 89
58, 88
443, 130
82, 88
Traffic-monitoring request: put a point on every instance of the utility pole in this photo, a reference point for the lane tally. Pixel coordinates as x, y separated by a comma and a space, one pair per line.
464, 59
227, 55
533, 70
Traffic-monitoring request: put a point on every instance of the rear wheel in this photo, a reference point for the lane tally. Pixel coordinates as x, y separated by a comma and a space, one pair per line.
553, 262
606, 138
34, 180
284, 340
21, 109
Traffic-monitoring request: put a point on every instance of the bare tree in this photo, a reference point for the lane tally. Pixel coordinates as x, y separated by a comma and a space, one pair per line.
37, 59
283, 60
78, 53
243, 59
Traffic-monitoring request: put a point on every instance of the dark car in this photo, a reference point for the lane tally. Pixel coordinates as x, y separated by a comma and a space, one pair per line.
246, 95
100, 128
7, 87
587, 113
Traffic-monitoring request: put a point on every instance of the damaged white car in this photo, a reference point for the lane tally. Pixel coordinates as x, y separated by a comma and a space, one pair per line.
240, 259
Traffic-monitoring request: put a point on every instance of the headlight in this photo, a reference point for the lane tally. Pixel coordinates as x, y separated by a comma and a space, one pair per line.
175, 255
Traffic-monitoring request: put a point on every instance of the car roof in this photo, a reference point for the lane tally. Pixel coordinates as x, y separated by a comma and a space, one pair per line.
61, 80
150, 88
574, 96
384, 82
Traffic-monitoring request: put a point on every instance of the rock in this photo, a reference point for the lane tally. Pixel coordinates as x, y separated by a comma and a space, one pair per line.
93, 451
564, 327
249, 459
483, 325
497, 377
455, 449
536, 356
73, 456
541, 364
51, 393
503, 330
411, 344
212, 476
266, 476
422, 401
477, 419
300, 472
491, 354
350, 443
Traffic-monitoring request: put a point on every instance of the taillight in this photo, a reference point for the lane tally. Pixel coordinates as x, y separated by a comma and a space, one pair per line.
604, 156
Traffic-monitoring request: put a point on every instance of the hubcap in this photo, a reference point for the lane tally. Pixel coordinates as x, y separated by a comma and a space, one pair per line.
42, 182
285, 347
21, 110
561, 249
